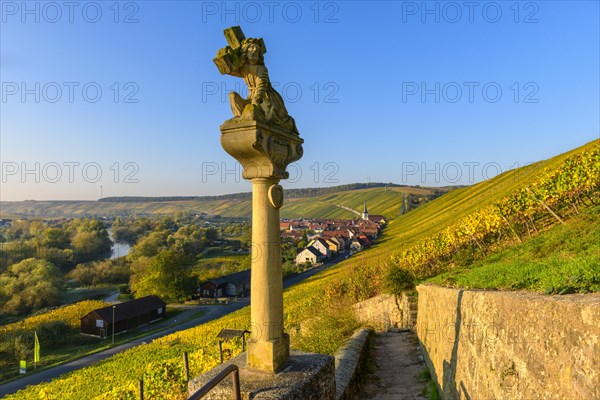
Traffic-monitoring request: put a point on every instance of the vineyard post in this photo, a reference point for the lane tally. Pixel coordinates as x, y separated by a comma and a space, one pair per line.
221, 350
141, 388
511, 228
186, 366
546, 207
473, 237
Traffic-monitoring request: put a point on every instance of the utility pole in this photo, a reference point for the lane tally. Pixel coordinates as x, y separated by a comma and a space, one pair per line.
113, 326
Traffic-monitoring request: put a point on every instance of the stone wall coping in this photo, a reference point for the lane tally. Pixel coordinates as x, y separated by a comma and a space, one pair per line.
348, 363
306, 376
583, 298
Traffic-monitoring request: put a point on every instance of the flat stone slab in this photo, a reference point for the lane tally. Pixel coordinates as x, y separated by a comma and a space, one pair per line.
306, 376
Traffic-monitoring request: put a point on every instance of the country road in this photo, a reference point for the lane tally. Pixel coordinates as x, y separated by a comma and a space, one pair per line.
212, 312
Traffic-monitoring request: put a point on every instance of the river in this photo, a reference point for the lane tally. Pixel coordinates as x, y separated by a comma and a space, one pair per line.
118, 249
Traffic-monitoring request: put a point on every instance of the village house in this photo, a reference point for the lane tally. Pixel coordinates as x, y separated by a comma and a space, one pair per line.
368, 228
355, 246
309, 255
364, 241
378, 219
292, 234
352, 232
298, 226
334, 244
234, 285
343, 242
321, 246
317, 227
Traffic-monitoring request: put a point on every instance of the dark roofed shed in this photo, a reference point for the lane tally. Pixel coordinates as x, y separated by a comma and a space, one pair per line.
127, 315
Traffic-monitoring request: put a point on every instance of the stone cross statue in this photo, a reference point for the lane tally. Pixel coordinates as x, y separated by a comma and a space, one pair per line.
264, 139
244, 58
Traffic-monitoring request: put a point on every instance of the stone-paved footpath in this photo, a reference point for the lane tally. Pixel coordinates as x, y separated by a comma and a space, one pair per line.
398, 363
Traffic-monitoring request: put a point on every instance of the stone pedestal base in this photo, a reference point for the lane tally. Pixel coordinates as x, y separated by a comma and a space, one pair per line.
268, 356
305, 376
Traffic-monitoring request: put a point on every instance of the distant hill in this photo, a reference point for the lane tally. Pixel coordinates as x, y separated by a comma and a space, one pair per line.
383, 198
289, 193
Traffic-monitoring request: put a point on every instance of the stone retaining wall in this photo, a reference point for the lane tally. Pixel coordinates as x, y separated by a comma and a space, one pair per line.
510, 345
305, 376
387, 311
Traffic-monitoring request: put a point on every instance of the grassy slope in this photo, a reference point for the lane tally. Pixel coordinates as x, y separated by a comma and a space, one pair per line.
565, 259
382, 201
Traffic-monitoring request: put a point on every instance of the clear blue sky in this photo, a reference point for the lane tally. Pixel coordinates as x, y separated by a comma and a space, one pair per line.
368, 120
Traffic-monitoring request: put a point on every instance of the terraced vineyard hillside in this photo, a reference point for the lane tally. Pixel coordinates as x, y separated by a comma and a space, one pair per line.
433, 217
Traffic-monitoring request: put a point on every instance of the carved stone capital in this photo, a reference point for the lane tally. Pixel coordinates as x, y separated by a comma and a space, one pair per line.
264, 150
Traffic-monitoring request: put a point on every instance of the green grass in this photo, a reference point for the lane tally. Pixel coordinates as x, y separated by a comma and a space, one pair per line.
565, 259
85, 293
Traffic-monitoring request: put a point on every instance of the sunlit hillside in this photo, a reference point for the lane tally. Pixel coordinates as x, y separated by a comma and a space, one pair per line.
433, 217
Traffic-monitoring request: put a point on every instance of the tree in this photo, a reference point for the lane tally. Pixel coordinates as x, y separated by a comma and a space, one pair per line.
166, 275
304, 236
13, 252
101, 272
55, 237
90, 240
190, 239
288, 252
150, 245
130, 230
246, 237
30, 284
63, 259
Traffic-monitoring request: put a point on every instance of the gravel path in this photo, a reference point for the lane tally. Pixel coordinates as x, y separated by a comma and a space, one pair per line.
399, 363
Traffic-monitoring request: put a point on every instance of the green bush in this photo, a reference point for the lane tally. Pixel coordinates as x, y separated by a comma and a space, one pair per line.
399, 280
54, 333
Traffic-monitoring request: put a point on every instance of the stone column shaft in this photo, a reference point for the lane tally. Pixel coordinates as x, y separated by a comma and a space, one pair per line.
264, 151
266, 302
268, 347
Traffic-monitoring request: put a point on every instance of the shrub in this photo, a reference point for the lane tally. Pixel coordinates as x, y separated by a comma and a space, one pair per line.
399, 280
54, 333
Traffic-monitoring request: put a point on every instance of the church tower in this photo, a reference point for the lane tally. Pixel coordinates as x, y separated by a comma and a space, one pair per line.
365, 213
